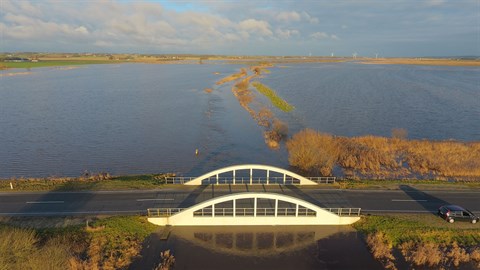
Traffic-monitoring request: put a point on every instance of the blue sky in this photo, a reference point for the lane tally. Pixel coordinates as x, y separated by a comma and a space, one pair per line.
387, 27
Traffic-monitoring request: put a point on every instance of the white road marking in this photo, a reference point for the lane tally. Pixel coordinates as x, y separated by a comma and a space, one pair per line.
73, 213
397, 211
144, 200
39, 202
394, 200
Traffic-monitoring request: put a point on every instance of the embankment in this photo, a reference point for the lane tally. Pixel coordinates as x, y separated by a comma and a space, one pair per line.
275, 130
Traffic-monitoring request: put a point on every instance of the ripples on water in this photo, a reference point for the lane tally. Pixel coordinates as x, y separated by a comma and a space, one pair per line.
141, 118
356, 99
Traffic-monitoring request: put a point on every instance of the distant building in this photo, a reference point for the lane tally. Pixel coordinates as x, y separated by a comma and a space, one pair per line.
16, 59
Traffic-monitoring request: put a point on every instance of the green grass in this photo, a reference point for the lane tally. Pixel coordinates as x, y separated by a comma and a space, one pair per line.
150, 181
274, 98
50, 63
420, 228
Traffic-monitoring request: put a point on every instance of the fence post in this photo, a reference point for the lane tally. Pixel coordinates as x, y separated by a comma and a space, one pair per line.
276, 207
234, 208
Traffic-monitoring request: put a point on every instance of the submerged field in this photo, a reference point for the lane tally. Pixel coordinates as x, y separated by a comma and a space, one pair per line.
136, 118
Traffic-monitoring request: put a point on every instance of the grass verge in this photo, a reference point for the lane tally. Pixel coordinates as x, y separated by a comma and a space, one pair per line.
147, 181
274, 98
396, 184
110, 243
400, 228
420, 240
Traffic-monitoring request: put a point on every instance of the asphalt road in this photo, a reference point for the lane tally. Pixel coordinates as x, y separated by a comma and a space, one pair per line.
130, 202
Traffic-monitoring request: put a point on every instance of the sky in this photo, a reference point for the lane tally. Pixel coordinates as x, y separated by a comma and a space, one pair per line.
388, 28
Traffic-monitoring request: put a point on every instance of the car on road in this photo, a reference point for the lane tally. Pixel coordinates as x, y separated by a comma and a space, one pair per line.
452, 213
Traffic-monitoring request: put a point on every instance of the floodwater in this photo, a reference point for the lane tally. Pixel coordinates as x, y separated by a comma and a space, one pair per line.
262, 247
144, 118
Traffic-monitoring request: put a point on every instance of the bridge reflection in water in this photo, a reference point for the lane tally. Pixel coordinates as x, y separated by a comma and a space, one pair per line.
260, 247
264, 241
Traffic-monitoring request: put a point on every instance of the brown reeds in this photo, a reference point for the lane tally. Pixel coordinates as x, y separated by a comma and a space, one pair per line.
313, 151
381, 157
422, 254
167, 261
381, 249
233, 77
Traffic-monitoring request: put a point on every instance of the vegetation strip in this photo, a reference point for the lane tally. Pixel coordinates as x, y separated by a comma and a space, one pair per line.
420, 240
381, 157
51, 63
110, 243
274, 98
92, 182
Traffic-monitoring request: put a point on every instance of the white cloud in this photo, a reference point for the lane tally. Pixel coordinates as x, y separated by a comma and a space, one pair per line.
288, 16
319, 35
82, 30
256, 26
287, 33
309, 18
323, 35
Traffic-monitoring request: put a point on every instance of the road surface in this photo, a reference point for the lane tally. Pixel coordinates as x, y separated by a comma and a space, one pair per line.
405, 200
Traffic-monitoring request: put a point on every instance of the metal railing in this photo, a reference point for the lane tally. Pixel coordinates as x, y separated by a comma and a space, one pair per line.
345, 211
247, 180
163, 212
323, 180
260, 212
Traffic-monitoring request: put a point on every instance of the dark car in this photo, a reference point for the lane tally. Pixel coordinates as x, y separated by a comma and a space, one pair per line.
452, 213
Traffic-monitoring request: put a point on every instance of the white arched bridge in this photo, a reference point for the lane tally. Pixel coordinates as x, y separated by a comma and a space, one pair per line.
251, 208
250, 174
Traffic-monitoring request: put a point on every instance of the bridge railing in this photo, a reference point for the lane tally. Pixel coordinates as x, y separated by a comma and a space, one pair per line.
345, 211
239, 211
163, 212
323, 180
247, 180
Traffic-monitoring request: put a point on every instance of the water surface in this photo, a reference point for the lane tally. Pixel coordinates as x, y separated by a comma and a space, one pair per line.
143, 118
260, 247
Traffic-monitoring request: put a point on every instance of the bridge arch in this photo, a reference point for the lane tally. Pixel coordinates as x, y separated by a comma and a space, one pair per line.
207, 213
287, 175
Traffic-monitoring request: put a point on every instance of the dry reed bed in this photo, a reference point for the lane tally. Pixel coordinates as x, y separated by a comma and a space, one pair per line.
381, 157
420, 241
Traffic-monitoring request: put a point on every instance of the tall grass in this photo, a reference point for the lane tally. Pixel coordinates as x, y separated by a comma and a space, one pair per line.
112, 243
274, 98
313, 151
380, 157
421, 243
22, 249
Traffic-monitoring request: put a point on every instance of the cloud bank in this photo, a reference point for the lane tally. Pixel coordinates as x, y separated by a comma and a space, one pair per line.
243, 27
